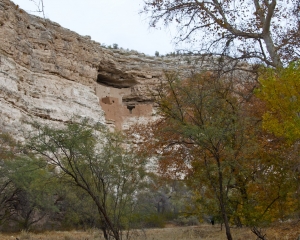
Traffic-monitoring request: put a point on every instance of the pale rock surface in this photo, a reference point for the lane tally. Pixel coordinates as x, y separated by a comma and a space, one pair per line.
25, 96
50, 73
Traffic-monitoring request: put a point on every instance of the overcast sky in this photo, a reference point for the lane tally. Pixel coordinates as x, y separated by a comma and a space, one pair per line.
107, 22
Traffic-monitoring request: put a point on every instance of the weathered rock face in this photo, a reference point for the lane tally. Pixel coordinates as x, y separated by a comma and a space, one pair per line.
51, 73
28, 96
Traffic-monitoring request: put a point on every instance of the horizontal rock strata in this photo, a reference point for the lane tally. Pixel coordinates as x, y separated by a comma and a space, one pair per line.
48, 72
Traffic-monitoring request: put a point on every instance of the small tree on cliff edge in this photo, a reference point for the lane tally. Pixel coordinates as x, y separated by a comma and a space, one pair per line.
39, 7
265, 30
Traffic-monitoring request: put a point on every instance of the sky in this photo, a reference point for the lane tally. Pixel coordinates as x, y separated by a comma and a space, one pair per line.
107, 22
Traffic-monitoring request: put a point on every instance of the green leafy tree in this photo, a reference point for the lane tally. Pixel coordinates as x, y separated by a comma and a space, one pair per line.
98, 162
162, 200
8, 149
33, 199
26, 196
76, 209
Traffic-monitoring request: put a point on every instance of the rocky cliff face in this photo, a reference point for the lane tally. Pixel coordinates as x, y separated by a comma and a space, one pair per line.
49, 73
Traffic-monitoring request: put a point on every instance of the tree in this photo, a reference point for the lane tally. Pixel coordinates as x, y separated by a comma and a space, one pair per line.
8, 149
98, 162
76, 208
25, 197
33, 199
265, 30
162, 200
207, 117
214, 138
40, 7
280, 90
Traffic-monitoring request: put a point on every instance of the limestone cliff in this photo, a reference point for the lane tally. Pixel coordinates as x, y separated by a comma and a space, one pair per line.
50, 73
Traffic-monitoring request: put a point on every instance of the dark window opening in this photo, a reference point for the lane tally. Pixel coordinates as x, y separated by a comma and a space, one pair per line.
130, 108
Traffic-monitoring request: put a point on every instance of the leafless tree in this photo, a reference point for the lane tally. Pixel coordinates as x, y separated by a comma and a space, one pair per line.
39, 7
262, 30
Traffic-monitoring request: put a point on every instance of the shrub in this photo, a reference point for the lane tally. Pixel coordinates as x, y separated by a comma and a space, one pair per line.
155, 221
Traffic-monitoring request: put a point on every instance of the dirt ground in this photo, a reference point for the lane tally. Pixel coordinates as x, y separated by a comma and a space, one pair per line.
279, 231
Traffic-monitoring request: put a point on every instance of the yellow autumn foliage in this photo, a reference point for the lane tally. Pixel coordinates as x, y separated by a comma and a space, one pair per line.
280, 89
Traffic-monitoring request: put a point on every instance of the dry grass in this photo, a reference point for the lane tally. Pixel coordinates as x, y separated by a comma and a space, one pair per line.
283, 231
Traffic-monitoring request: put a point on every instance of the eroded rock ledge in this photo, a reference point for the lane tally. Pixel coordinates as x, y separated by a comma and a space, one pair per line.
50, 72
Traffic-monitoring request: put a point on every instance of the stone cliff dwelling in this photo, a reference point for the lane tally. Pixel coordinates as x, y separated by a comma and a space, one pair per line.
122, 105
118, 112
49, 73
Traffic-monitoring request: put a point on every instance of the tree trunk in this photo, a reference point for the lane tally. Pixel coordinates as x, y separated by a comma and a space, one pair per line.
103, 228
272, 50
222, 202
226, 221
107, 225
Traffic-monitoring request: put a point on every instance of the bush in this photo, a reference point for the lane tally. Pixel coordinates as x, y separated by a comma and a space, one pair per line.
155, 221
186, 221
